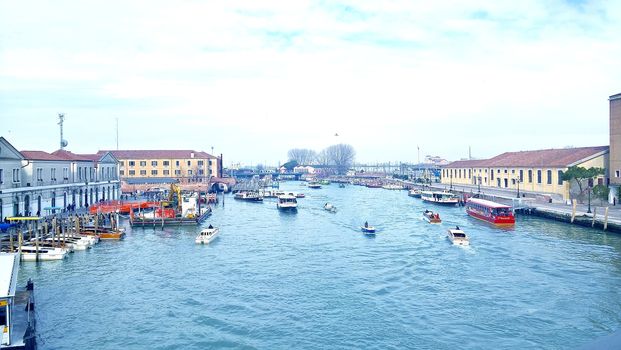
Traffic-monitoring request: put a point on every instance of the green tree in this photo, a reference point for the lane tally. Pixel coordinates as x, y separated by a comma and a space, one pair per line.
579, 174
290, 165
601, 192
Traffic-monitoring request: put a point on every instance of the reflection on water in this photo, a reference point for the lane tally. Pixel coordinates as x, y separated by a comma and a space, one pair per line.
311, 279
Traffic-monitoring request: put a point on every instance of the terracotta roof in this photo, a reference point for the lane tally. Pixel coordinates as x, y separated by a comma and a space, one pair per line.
561, 158
66, 155
39, 155
93, 157
157, 154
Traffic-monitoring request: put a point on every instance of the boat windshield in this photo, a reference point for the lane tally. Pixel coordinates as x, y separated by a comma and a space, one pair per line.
501, 212
459, 235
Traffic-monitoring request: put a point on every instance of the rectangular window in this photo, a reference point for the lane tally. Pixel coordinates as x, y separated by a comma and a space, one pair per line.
153, 172
16, 175
201, 172
549, 177
1, 176
201, 163
143, 163
53, 174
505, 171
469, 173
177, 172
190, 172
65, 173
538, 176
154, 163
530, 176
143, 172
189, 163
39, 174
132, 172
80, 173
560, 177
492, 175
166, 172
122, 172
132, 163
617, 173
521, 175
512, 171
166, 163
176, 162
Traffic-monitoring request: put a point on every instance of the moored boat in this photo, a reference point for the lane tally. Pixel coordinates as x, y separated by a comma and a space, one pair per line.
249, 196
445, 198
492, 212
457, 236
392, 187
416, 193
45, 252
207, 235
314, 185
431, 217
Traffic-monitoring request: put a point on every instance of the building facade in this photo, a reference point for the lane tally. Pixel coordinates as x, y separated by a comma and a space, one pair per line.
538, 171
614, 171
176, 165
41, 182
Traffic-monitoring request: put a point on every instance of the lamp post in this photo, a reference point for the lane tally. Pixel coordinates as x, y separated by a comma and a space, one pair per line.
479, 184
517, 181
589, 208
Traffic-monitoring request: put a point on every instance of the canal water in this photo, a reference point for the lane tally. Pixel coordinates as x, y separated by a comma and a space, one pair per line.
312, 280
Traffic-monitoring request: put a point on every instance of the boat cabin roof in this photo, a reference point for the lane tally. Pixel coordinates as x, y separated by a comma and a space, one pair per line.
486, 203
286, 196
8, 274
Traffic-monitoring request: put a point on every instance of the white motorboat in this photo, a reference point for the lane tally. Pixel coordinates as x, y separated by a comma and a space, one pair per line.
314, 185
329, 207
416, 193
207, 235
287, 202
392, 187
46, 253
367, 229
457, 236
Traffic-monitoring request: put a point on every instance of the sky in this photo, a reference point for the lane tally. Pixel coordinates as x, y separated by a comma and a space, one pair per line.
253, 79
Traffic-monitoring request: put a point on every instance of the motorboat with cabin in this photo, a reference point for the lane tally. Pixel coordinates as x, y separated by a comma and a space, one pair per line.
367, 229
250, 196
287, 202
457, 236
445, 198
492, 212
415, 192
207, 235
314, 185
431, 217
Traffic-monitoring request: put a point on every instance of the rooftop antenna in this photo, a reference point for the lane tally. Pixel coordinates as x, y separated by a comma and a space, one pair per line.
61, 120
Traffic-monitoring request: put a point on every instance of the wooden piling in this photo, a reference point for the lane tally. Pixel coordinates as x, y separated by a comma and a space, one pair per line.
573, 209
594, 215
606, 218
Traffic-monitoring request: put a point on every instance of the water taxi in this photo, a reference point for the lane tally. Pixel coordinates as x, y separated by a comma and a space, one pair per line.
416, 193
431, 217
249, 196
314, 185
492, 212
457, 236
287, 202
207, 235
445, 198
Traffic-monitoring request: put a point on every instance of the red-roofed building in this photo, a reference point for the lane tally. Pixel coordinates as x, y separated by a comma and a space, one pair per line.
532, 171
185, 166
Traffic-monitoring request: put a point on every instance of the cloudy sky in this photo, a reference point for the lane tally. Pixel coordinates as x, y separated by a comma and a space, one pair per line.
253, 79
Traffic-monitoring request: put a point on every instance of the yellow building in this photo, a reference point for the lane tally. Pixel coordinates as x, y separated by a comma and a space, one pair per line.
537, 172
183, 165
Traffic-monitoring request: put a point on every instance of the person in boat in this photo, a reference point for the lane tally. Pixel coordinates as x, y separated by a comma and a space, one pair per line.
210, 226
457, 227
366, 224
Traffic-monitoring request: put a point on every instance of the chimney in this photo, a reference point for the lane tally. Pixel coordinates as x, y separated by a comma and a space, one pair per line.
191, 154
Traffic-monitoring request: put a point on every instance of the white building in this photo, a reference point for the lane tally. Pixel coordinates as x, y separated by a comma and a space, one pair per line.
40, 181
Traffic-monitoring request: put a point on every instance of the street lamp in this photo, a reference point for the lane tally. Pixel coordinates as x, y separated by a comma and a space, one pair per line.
517, 180
479, 184
589, 208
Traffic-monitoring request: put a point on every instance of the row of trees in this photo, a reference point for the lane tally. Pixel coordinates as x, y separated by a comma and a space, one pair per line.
340, 157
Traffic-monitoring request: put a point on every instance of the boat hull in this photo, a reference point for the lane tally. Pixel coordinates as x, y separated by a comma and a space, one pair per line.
498, 220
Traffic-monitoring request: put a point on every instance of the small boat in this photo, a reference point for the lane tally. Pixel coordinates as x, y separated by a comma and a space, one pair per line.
367, 229
314, 185
46, 253
324, 182
431, 217
207, 235
287, 202
329, 207
457, 236
249, 196
414, 193
300, 195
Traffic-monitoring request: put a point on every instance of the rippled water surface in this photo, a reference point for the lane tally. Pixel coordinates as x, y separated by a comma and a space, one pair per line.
312, 280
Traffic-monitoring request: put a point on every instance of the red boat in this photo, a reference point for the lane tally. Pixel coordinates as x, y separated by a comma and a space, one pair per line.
492, 212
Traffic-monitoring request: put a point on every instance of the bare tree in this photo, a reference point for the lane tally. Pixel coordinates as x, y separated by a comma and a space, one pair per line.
341, 156
303, 156
322, 158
